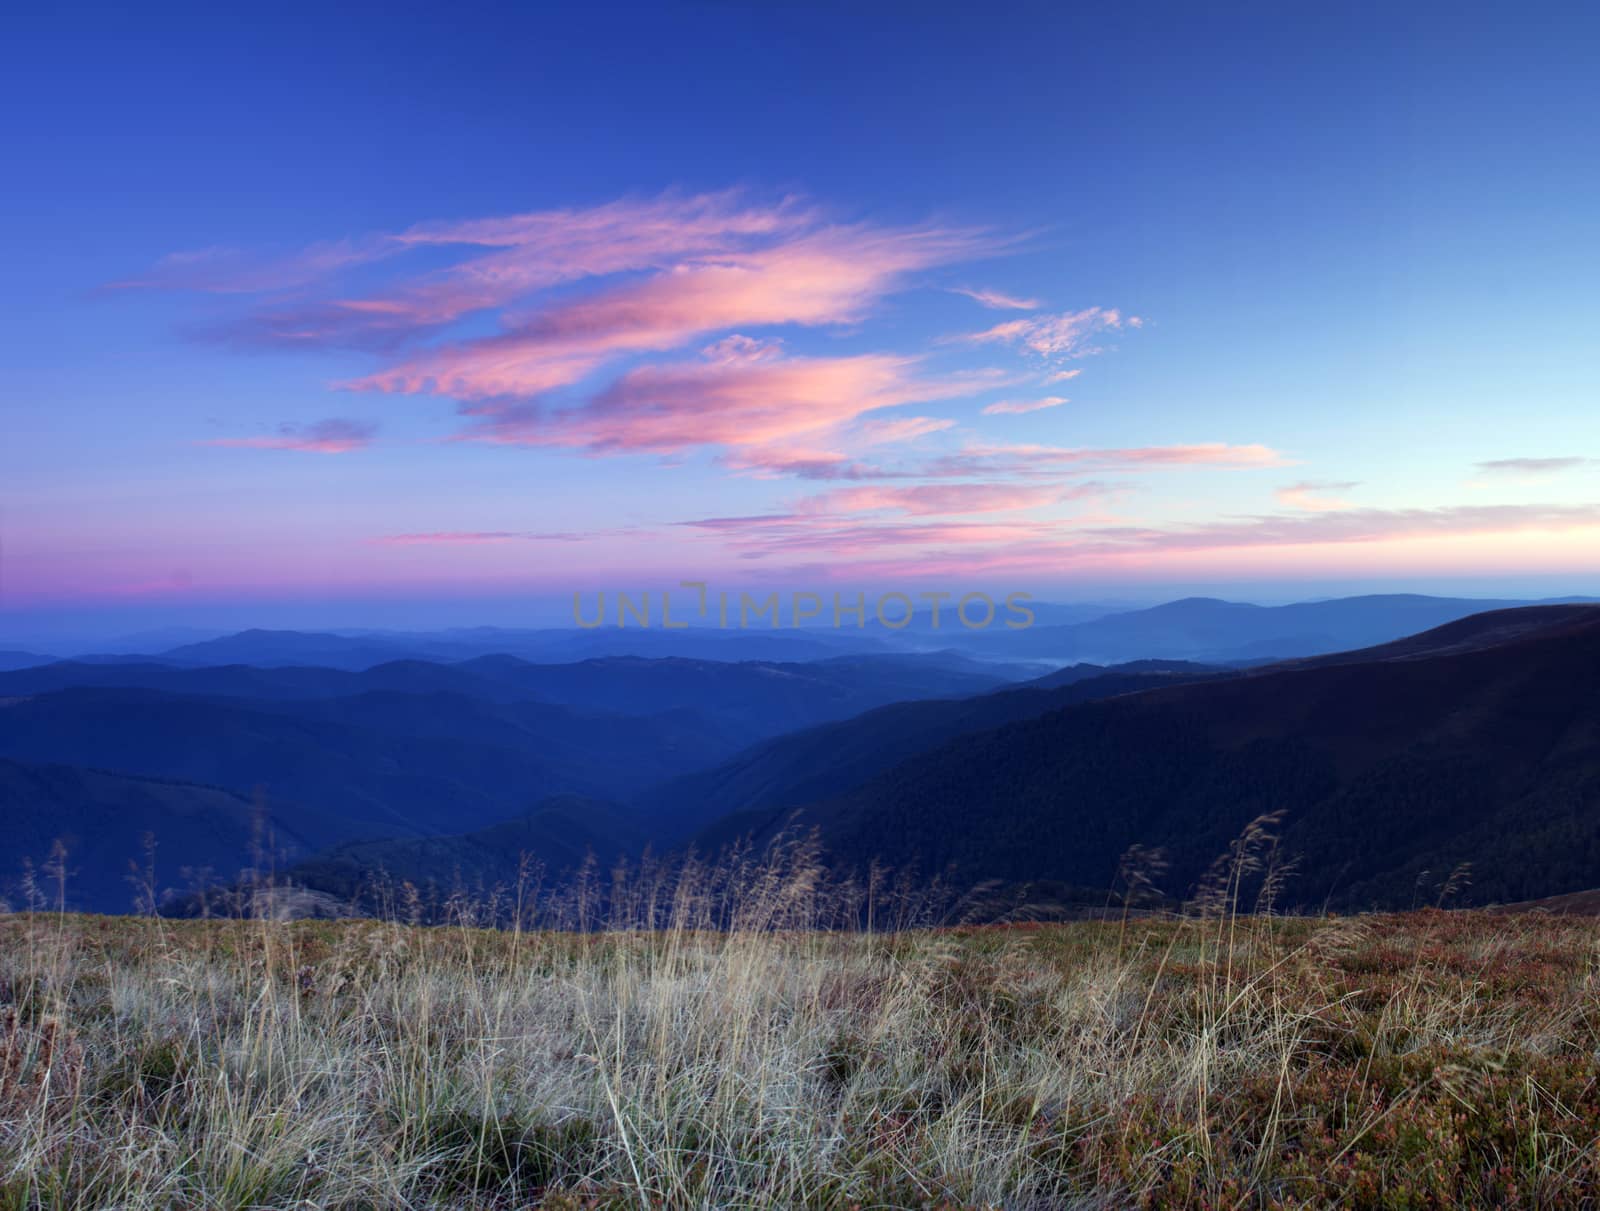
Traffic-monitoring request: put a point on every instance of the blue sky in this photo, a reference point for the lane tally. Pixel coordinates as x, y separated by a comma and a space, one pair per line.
1324, 264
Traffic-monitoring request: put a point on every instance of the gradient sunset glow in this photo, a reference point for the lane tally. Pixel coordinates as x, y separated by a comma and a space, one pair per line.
506, 308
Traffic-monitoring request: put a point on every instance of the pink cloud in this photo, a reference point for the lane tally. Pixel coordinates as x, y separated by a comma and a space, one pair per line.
944, 499
1312, 497
1363, 525
739, 396
333, 436
449, 538
640, 278
829, 276
1055, 336
785, 534
1026, 461
232, 271
996, 300
505, 259
1033, 460
772, 462
1052, 547
900, 429
1015, 407
481, 537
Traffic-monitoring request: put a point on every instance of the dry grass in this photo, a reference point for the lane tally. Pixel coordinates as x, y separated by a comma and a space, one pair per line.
1427, 1060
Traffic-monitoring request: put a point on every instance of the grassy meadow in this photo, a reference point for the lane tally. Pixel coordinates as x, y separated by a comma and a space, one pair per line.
1429, 1059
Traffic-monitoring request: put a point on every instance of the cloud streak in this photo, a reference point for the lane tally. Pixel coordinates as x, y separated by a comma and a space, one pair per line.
1071, 334
591, 311
1047, 547
1034, 460
738, 395
828, 277
1018, 407
996, 300
936, 500
1312, 496
1535, 466
333, 436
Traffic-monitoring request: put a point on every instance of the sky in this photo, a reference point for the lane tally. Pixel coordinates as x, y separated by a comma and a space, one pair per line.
404, 314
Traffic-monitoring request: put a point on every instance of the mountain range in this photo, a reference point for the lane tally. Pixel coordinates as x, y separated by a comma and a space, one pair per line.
102, 819
1194, 628
1210, 630
1477, 744
1471, 741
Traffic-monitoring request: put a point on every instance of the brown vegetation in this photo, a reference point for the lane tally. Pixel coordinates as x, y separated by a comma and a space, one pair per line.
1432, 1059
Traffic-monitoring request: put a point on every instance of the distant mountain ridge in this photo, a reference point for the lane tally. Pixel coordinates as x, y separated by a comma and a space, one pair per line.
762, 698
265, 648
1195, 628
12, 659
1214, 631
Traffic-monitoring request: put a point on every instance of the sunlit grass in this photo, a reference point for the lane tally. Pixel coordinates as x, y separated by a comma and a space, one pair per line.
1427, 1059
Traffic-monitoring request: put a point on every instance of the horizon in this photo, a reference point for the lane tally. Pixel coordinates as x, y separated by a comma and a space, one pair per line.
892, 332
70, 634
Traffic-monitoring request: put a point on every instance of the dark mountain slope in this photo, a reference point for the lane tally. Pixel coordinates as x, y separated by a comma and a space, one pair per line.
769, 697
1169, 669
246, 681
827, 760
559, 833
1386, 768
619, 754
102, 819
1491, 629
268, 649
364, 782
748, 700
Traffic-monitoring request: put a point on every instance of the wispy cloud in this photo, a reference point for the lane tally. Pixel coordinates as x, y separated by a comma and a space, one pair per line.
1033, 460
334, 436
450, 538
503, 259
227, 271
694, 264
491, 537
997, 300
979, 460
1362, 525
944, 500
1015, 407
1068, 335
900, 429
1048, 547
742, 395
828, 277
1313, 496
1526, 467
761, 537
626, 289
800, 462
